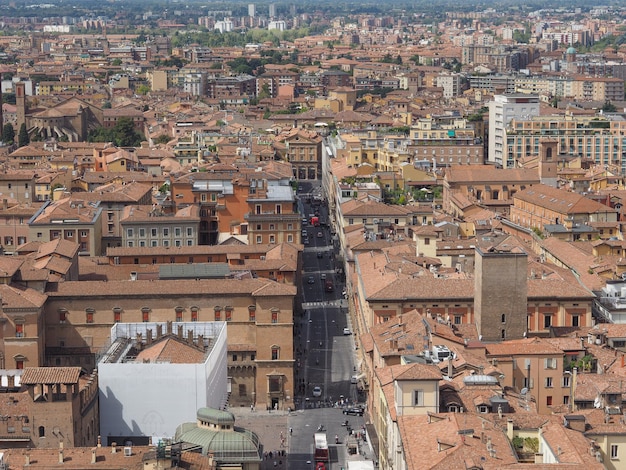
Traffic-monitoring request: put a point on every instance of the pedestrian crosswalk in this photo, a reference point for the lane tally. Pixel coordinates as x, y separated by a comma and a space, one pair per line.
330, 303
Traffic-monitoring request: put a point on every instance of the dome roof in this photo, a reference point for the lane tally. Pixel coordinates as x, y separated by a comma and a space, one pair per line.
570, 50
214, 416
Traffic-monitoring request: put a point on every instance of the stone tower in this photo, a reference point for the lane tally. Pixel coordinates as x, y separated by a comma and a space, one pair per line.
548, 152
20, 102
500, 289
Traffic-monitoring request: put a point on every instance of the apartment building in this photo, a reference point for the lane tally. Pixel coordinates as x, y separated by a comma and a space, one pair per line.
536, 365
147, 226
596, 139
18, 186
502, 110
69, 219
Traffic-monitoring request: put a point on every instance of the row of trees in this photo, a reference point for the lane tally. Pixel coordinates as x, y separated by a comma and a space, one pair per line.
8, 135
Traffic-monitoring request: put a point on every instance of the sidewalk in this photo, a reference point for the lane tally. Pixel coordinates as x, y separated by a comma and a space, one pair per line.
267, 425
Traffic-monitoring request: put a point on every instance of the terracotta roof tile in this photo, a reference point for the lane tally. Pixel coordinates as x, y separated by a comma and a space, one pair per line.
50, 375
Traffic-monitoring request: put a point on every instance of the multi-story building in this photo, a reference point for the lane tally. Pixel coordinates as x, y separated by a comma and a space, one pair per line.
63, 408
536, 365
146, 226
259, 314
272, 81
542, 205
303, 150
227, 89
18, 186
136, 403
502, 110
69, 219
594, 139
484, 185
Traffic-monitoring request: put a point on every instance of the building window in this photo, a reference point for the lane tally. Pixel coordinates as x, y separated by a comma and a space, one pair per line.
458, 319
234, 357
275, 353
548, 400
566, 382
89, 315
228, 313
62, 315
550, 363
614, 452
129, 232
194, 313
145, 314
42, 431
218, 313
548, 382
117, 315
503, 318
503, 334
483, 409
418, 397
547, 321
242, 390
274, 315
575, 320
259, 239
179, 314
252, 313
19, 330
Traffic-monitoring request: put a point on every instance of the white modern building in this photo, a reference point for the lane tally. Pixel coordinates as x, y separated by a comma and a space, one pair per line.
502, 110
279, 25
155, 376
251, 10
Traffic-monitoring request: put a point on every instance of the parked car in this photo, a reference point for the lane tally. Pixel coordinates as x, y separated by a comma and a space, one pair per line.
317, 392
310, 280
320, 234
346, 331
354, 411
320, 254
354, 379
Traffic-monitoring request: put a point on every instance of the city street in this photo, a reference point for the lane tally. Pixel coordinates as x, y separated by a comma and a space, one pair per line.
324, 351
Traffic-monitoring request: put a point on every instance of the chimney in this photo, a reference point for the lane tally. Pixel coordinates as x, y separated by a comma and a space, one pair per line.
450, 368
61, 452
180, 331
26, 460
159, 331
190, 336
93, 455
169, 327
149, 337
113, 447
509, 429
5, 204
99, 441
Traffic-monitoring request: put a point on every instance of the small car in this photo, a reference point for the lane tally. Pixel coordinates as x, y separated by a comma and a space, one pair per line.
354, 411
317, 392
320, 254
305, 241
320, 234
346, 331
354, 379
323, 276
310, 280
320, 466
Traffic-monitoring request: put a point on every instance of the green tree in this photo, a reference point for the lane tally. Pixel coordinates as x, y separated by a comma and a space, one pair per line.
609, 107
162, 139
143, 90
116, 62
22, 137
8, 134
123, 134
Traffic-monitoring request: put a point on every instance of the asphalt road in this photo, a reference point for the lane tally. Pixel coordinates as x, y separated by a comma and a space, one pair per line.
325, 355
